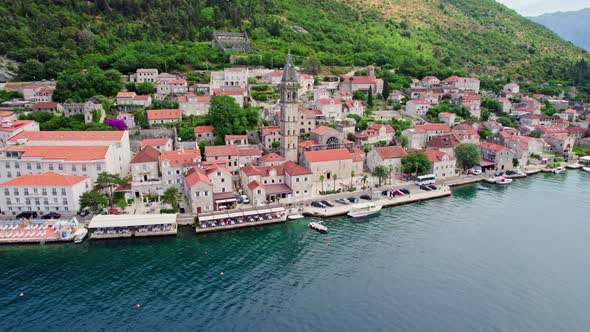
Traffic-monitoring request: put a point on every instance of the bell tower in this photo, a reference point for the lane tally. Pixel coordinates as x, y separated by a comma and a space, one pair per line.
289, 91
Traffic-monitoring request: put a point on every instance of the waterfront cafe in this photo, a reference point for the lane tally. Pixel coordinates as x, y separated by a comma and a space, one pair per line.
37, 230
585, 160
136, 225
257, 215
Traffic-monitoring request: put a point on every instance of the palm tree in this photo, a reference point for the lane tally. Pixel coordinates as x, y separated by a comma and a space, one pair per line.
335, 177
381, 173
390, 171
322, 177
365, 178
351, 176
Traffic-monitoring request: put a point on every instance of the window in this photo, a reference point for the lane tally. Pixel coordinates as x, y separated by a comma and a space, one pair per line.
83, 168
73, 168
16, 165
51, 167
28, 201
63, 191
98, 167
37, 201
7, 165
6, 192
15, 191
65, 201
60, 167
54, 192
26, 191
28, 165
8, 202
45, 201
8, 175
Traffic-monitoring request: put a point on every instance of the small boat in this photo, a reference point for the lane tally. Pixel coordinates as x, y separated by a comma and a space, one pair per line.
503, 181
80, 235
318, 227
364, 210
587, 169
559, 170
482, 188
295, 216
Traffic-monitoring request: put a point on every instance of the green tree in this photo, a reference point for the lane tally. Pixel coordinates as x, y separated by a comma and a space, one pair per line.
312, 65
370, 100
322, 178
93, 200
145, 88
122, 204
352, 173
484, 132
468, 155
171, 196
402, 141
417, 163
381, 173
386, 88
31, 70
227, 117
107, 181
335, 177
78, 86
275, 145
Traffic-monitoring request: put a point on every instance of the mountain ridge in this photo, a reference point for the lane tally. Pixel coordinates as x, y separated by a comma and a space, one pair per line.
561, 23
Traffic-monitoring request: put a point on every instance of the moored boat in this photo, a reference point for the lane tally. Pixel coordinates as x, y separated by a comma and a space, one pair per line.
559, 170
364, 210
503, 181
80, 235
587, 169
318, 227
295, 216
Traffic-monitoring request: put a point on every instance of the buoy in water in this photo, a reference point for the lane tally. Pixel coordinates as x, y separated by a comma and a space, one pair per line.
221, 273
138, 306
21, 294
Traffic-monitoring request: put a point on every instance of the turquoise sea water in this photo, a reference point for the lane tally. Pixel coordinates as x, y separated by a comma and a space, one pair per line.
514, 258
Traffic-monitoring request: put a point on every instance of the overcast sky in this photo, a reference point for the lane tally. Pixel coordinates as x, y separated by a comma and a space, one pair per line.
538, 7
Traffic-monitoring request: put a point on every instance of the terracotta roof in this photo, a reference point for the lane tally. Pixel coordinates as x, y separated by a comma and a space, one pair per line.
433, 127
194, 175
125, 94
360, 80
465, 132
326, 101
125, 115
57, 152
322, 130
249, 152
353, 103
388, 128
443, 142
236, 137
5, 114
45, 105
229, 92
16, 124
295, 169
253, 185
419, 102
270, 130
180, 81
180, 157
264, 171
221, 150
391, 152
327, 155
203, 129
307, 143
141, 97
169, 114
155, 141
446, 114
272, 157
113, 135
146, 155
436, 156
492, 146
47, 179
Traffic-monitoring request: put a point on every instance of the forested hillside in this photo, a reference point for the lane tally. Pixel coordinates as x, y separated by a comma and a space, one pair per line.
416, 36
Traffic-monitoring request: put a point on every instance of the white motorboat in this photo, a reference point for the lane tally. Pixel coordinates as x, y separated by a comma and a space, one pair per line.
364, 210
503, 181
295, 216
80, 235
559, 170
318, 227
587, 169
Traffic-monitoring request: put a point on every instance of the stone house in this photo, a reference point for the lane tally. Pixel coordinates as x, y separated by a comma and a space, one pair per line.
389, 156
155, 117
443, 164
501, 156
417, 107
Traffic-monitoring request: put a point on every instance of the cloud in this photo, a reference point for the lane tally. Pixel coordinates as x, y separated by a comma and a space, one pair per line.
538, 7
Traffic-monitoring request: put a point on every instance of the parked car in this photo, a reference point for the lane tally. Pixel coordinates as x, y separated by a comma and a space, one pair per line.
245, 199
353, 199
425, 187
51, 215
405, 191
113, 211
239, 199
366, 197
342, 201
397, 192
84, 212
510, 172
499, 173
431, 186
318, 204
327, 203
27, 215
385, 193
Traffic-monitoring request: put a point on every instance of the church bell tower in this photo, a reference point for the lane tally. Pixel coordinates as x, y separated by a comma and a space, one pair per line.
289, 90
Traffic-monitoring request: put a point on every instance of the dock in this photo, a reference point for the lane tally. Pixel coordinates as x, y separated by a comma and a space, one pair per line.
340, 210
38, 231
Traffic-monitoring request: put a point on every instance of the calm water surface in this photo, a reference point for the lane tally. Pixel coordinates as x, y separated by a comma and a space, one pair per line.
506, 259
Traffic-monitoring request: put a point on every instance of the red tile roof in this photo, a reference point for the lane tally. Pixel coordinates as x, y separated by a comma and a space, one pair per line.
114, 135
253, 185
146, 155
229, 92
57, 152
5, 114
326, 101
295, 169
419, 102
203, 129
126, 94
236, 137
45, 105
47, 179
391, 152
443, 142
249, 152
327, 155
221, 150
307, 143
194, 176
167, 114
436, 156
492, 146
270, 130
180, 157
322, 130
16, 124
433, 127
271, 157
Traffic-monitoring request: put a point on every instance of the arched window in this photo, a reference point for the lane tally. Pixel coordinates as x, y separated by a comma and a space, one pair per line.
332, 143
